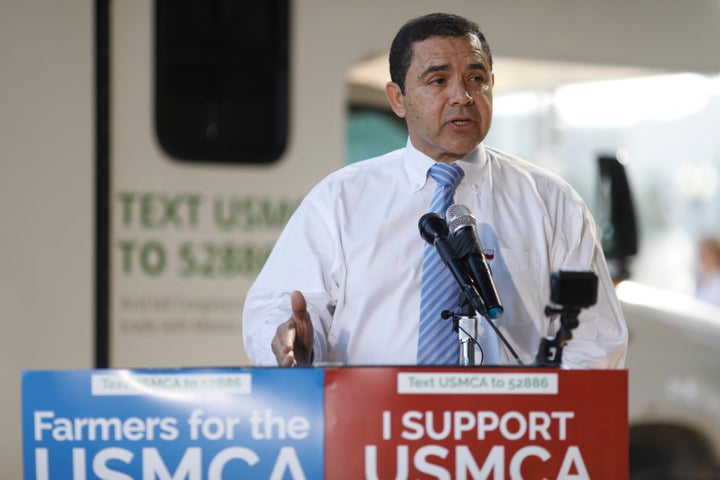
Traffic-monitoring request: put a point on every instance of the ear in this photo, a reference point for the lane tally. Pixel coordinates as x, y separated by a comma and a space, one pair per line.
396, 98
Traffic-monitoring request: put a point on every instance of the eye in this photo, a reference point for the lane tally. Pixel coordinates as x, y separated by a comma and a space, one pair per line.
479, 82
437, 81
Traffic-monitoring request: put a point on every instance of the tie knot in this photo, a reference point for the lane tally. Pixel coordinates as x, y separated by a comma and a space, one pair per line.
447, 174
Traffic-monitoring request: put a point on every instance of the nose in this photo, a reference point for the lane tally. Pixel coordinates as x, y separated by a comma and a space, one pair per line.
459, 94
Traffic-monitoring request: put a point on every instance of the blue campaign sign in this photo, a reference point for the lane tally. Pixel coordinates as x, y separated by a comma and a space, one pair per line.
192, 424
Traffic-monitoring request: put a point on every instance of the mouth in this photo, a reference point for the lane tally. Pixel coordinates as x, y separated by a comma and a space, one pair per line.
462, 122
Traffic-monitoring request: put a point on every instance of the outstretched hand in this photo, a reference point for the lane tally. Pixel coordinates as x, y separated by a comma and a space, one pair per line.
293, 341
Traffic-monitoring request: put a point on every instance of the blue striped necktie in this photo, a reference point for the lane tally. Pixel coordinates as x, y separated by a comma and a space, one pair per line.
437, 343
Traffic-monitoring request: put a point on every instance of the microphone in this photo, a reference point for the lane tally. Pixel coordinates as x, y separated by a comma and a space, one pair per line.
434, 230
463, 225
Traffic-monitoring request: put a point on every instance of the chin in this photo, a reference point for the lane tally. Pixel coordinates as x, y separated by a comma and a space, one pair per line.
461, 150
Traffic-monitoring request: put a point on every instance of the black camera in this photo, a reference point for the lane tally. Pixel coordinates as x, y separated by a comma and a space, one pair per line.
573, 289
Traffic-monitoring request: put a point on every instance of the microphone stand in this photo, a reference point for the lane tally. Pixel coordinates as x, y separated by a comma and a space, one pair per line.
465, 324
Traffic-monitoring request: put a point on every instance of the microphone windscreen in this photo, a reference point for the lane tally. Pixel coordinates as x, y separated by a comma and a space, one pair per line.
432, 227
459, 216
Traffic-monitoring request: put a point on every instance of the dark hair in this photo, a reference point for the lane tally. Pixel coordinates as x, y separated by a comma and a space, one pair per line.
421, 28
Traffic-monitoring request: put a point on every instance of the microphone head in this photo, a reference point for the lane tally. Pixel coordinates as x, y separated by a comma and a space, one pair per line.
432, 227
459, 216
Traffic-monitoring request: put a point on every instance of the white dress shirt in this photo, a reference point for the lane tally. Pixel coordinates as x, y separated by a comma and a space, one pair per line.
354, 250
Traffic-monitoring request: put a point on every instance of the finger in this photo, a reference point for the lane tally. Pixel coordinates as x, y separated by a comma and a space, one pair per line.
299, 305
303, 329
288, 360
283, 342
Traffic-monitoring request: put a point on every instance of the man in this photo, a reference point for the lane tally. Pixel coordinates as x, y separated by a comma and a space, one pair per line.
348, 268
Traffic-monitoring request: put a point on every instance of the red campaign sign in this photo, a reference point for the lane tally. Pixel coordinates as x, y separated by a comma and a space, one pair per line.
458, 423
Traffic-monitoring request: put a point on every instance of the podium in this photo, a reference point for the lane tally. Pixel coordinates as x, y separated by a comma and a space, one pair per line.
335, 423
470, 424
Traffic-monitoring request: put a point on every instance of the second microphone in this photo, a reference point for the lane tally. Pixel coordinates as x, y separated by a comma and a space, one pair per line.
463, 227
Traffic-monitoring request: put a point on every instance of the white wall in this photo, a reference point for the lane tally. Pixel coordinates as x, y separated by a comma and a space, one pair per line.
46, 198
664, 34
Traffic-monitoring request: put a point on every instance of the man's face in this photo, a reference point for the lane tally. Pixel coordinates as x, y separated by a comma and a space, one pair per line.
447, 103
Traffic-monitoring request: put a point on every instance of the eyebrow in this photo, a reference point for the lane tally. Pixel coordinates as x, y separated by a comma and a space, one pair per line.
445, 67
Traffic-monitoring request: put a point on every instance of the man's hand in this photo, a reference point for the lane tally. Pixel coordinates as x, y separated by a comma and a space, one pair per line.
293, 341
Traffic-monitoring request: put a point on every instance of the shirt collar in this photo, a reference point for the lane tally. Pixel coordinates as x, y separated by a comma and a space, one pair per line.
417, 164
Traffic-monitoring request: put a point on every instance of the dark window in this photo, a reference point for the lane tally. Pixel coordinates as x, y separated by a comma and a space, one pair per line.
221, 79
